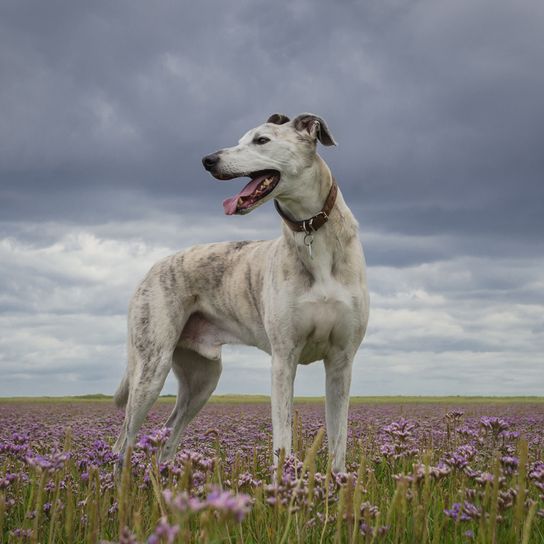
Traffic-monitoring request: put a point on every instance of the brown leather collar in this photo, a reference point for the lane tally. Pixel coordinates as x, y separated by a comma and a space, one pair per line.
317, 221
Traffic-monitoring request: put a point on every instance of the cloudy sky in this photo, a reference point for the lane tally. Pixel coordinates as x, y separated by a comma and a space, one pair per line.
107, 107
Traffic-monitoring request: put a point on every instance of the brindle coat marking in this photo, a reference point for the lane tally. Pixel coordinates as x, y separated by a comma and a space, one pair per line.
268, 294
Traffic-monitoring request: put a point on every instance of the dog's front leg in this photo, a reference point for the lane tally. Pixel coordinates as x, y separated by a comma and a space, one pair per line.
283, 376
338, 381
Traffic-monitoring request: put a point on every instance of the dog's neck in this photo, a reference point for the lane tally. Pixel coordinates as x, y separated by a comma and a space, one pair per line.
318, 181
333, 236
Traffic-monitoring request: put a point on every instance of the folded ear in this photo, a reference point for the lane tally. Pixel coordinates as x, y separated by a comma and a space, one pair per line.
315, 126
278, 119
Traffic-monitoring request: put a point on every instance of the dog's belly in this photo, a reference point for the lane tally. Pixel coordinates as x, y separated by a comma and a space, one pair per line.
206, 336
325, 318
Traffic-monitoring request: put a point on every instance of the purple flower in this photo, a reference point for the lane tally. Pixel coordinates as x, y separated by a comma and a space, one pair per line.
239, 454
467, 432
152, 442
226, 502
509, 463
401, 429
367, 530
196, 459
510, 435
183, 502
247, 479
435, 472
506, 498
454, 415
368, 509
164, 532
7, 479
399, 440
495, 424
536, 472
50, 464
460, 457
127, 537
463, 512
23, 534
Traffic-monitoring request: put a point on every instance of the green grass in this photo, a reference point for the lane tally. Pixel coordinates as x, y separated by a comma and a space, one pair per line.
399, 499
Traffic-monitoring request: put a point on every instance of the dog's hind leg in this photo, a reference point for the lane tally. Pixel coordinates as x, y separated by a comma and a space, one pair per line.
197, 378
157, 315
120, 444
145, 389
149, 363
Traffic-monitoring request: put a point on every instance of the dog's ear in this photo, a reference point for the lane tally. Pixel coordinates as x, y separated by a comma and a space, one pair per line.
315, 126
278, 119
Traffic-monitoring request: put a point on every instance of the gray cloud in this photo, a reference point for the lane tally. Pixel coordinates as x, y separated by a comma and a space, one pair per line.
64, 303
437, 107
108, 108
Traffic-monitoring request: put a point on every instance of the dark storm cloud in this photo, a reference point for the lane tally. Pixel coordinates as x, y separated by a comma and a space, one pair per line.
107, 108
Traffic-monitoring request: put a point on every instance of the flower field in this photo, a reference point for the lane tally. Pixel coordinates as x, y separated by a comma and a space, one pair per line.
416, 472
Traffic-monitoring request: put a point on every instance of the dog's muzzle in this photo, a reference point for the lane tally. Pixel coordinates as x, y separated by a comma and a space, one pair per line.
210, 161
262, 183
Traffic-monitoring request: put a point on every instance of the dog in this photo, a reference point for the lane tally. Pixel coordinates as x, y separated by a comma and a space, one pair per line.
301, 298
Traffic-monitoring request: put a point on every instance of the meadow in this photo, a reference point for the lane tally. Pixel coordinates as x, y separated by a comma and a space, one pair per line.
422, 470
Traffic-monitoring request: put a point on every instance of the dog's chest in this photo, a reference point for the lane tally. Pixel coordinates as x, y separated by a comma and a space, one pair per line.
324, 317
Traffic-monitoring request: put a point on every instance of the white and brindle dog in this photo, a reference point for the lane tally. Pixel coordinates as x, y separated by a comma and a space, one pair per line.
301, 298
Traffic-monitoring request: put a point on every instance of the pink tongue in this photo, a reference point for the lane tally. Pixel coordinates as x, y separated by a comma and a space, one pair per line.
230, 204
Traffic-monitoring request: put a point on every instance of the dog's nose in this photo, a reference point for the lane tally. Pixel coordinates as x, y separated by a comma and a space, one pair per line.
209, 161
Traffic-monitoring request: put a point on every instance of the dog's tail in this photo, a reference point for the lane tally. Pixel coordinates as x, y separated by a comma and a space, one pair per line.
121, 395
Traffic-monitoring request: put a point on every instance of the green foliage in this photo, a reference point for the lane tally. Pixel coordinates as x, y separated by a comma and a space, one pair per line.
400, 496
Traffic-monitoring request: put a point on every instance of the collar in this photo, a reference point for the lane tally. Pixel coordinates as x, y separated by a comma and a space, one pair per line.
314, 223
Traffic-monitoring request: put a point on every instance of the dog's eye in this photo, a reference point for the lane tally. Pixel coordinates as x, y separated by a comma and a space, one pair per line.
262, 140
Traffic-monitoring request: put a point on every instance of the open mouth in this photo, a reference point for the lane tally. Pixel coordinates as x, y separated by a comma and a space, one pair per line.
262, 184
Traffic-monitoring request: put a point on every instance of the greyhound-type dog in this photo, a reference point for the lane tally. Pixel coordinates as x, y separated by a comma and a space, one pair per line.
301, 298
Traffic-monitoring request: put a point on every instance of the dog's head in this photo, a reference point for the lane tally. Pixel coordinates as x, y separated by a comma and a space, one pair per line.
273, 155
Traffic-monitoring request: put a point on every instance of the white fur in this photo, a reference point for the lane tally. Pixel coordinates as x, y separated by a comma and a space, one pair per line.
268, 294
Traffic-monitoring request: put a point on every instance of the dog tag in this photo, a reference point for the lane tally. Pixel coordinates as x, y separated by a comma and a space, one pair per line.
308, 241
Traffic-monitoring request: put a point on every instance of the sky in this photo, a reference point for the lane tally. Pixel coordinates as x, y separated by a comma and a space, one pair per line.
107, 108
